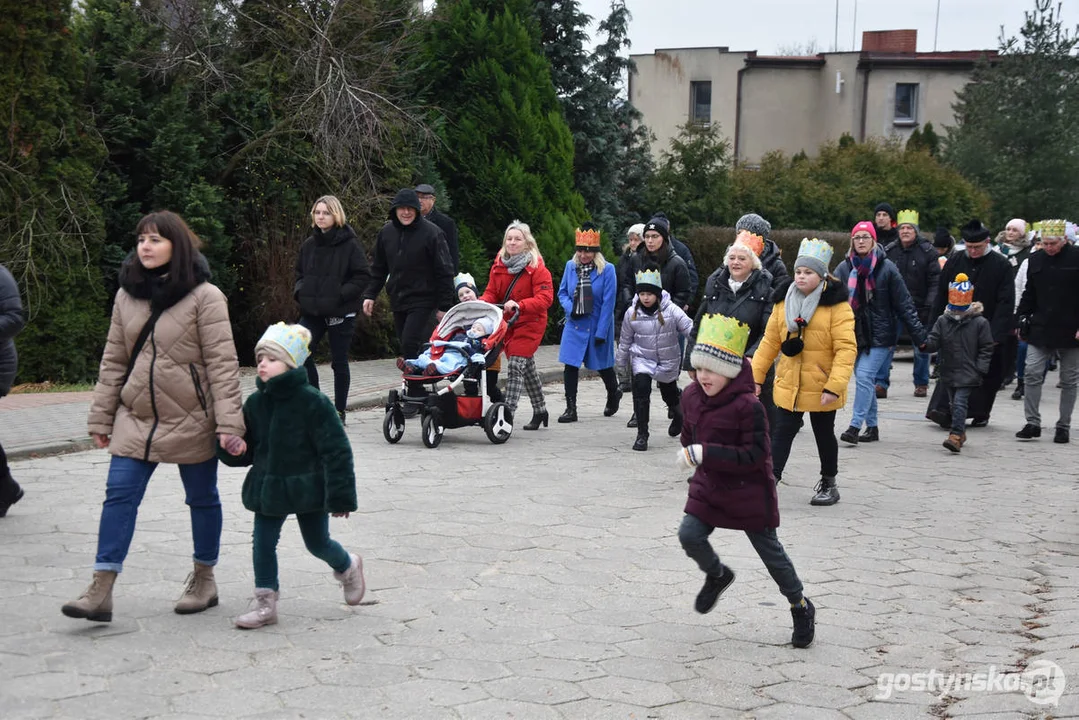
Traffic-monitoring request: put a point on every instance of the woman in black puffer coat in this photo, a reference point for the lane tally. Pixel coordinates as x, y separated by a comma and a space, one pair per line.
331, 275
11, 322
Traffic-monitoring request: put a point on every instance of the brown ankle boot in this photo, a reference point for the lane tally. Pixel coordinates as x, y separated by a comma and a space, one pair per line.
95, 604
955, 442
200, 592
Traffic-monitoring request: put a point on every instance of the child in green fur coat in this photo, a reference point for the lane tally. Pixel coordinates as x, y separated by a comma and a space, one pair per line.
301, 464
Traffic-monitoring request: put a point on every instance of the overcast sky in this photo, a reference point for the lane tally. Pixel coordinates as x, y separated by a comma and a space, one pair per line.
768, 25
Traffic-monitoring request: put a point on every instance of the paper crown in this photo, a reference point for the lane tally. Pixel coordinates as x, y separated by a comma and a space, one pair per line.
960, 293
909, 217
587, 239
1054, 228
288, 339
814, 254
461, 279
751, 241
649, 278
720, 345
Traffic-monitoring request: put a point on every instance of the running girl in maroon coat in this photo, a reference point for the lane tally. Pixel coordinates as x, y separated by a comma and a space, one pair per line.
725, 440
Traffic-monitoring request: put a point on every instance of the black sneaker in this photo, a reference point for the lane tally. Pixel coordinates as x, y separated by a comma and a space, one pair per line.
641, 443
826, 492
871, 434
1019, 392
714, 585
804, 624
1061, 436
850, 435
1029, 432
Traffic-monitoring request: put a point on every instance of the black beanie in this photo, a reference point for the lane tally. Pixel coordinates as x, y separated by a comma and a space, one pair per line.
886, 207
405, 197
658, 224
942, 238
974, 231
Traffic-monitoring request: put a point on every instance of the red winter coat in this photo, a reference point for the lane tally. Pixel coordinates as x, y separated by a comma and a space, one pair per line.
733, 486
534, 292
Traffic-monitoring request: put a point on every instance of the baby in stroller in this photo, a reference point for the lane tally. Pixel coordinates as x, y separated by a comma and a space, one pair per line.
461, 348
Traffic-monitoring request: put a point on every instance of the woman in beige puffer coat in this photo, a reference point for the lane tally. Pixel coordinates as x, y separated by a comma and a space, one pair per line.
171, 400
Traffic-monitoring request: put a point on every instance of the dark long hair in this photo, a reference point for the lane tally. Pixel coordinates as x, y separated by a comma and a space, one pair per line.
185, 249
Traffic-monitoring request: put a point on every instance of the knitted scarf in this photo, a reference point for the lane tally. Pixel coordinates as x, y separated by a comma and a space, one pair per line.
582, 295
516, 263
861, 282
801, 307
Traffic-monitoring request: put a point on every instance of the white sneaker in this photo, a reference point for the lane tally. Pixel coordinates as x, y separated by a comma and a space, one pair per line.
263, 613
352, 580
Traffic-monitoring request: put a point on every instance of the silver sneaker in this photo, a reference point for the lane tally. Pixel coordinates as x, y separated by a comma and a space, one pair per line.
263, 613
352, 580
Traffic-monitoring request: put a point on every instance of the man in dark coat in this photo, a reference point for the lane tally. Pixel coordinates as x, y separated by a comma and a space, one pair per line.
683, 252
1049, 321
412, 260
885, 221
657, 248
426, 194
11, 322
916, 259
991, 276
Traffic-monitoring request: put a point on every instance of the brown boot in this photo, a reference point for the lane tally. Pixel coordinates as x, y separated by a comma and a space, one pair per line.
955, 442
95, 604
200, 592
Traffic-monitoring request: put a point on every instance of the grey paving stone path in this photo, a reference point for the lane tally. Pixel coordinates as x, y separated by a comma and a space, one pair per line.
543, 579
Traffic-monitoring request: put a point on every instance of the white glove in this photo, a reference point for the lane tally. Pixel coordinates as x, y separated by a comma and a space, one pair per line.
690, 457
478, 358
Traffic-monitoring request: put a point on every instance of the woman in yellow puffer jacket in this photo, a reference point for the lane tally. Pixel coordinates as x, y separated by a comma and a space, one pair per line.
813, 328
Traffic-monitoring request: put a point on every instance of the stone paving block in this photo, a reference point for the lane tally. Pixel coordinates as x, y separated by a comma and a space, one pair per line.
162, 682
227, 702
25, 708
112, 705
733, 696
821, 696
497, 709
785, 711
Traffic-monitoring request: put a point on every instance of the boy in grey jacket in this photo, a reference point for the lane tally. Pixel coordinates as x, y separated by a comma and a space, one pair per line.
964, 341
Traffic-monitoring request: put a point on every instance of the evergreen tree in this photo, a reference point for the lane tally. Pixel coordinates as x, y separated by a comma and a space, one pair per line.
50, 226
507, 152
692, 183
1017, 129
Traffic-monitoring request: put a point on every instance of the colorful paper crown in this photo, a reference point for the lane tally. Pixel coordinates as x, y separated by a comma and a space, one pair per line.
720, 345
462, 279
751, 241
960, 293
814, 254
281, 338
1054, 228
910, 217
649, 278
587, 239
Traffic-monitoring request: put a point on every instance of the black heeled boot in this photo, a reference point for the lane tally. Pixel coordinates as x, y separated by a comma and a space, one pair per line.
641, 408
613, 399
538, 418
675, 428
571, 411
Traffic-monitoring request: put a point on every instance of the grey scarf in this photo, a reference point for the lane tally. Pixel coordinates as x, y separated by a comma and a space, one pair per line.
801, 306
516, 263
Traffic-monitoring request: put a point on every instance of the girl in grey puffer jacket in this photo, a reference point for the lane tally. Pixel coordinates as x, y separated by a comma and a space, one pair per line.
649, 345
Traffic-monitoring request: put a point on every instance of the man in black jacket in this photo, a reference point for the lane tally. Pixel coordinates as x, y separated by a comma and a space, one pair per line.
11, 323
426, 194
411, 259
917, 261
1049, 321
991, 276
683, 251
885, 220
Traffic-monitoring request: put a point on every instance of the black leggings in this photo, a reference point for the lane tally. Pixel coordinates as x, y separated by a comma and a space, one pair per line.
340, 340
787, 425
571, 375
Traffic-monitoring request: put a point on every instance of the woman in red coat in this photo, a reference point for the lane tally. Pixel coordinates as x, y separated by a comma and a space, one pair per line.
521, 282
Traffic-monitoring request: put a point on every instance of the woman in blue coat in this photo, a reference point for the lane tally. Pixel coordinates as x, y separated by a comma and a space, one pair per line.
587, 293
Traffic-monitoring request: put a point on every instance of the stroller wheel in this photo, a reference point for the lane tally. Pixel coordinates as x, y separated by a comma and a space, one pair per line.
391, 429
498, 423
432, 431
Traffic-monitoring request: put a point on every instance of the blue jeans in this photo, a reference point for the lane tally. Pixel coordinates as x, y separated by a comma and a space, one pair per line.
921, 369
315, 529
866, 371
960, 399
124, 488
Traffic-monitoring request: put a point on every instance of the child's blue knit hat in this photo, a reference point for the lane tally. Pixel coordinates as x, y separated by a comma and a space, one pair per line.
287, 343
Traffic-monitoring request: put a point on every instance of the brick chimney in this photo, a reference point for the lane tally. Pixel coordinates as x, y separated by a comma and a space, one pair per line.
890, 41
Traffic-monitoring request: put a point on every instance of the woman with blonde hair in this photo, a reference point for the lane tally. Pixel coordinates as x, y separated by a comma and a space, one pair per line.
587, 294
521, 282
331, 275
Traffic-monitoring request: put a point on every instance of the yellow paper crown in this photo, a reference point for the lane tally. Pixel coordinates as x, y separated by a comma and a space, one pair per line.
723, 333
816, 249
587, 239
909, 217
649, 277
1053, 228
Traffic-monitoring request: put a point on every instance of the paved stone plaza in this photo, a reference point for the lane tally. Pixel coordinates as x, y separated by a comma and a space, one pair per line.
543, 579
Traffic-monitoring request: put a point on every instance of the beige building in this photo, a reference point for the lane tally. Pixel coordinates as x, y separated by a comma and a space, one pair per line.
794, 104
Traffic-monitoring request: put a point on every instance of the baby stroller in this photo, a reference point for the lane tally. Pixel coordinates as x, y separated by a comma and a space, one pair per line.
458, 399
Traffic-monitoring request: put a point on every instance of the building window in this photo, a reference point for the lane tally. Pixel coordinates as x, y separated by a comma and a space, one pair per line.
700, 103
906, 103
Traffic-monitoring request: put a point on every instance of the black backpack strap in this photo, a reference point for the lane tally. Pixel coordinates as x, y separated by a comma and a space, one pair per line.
140, 341
510, 288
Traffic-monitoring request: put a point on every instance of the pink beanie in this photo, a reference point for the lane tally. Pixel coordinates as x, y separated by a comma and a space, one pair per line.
867, 226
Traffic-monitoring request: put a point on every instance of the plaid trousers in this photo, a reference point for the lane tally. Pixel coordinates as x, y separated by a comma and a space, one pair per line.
523, 377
